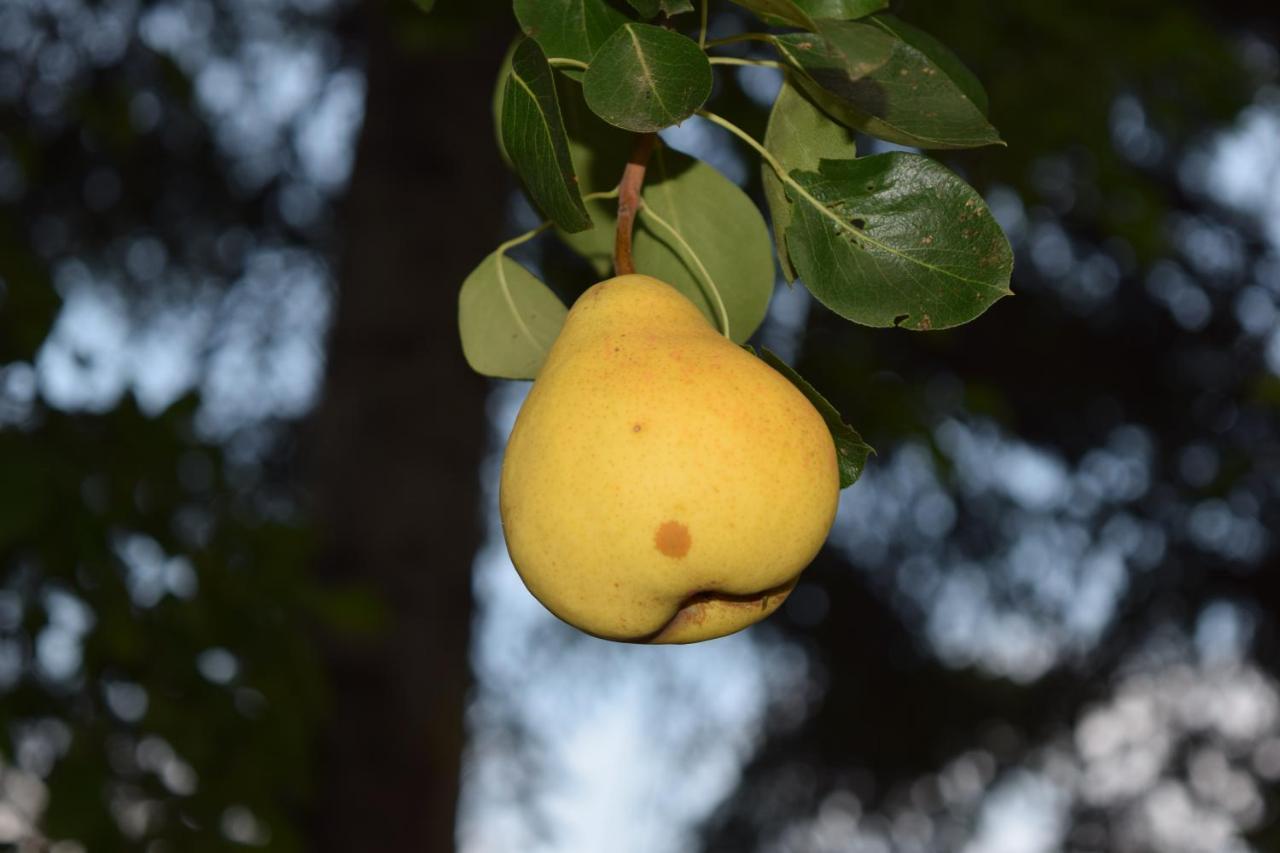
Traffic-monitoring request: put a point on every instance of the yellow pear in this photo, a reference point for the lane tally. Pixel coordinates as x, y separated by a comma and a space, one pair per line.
662, 484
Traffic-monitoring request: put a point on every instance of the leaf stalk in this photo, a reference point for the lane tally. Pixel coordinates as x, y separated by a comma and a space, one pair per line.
757, 63
566, 62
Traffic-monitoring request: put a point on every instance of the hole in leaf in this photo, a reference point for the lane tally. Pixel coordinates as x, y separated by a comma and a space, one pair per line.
900, 319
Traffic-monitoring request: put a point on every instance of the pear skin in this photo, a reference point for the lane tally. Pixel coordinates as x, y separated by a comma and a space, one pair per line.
661, 484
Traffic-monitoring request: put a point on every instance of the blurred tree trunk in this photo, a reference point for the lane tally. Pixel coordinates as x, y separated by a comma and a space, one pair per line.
399, 437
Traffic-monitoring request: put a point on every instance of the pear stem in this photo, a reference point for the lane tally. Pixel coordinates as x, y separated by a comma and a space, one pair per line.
648, 211
629, 201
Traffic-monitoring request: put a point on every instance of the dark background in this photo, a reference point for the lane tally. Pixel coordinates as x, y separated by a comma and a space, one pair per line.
245, 474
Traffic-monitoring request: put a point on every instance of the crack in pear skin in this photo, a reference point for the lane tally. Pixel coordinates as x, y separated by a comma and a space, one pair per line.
694, 610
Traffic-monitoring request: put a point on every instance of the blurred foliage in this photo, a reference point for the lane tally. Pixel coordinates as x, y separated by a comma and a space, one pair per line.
1054, 73
130, 523
160, 678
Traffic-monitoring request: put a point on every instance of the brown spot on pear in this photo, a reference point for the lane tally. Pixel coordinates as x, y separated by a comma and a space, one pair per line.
672, 538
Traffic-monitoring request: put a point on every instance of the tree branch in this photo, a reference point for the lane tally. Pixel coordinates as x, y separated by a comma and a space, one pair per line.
629, 201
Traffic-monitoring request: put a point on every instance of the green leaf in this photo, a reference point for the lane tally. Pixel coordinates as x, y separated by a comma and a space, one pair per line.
507, 318
939, 54
651, 8
897, 240
533, 136
599, 150
873, 81
851, 450
800, 136
425, 5
499, 90
721, 224
646, 78
785, 13
569, 29
842, 10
